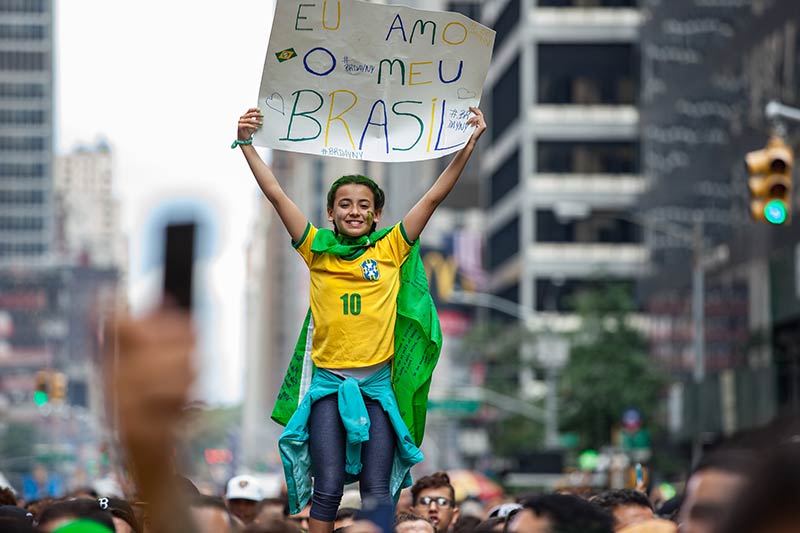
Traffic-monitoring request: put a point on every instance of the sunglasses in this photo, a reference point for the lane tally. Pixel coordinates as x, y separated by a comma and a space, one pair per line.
441, 501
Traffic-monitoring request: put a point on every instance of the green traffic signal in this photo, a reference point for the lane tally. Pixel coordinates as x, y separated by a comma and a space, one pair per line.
775, 212
40, 398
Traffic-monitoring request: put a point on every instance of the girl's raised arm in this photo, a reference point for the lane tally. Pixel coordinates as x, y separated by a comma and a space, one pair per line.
293, 219
416, 219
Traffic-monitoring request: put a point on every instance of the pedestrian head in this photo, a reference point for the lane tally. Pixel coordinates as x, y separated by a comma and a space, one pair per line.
434, 498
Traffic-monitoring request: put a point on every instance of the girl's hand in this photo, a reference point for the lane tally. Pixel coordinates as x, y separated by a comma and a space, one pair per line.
477, 121
249, 123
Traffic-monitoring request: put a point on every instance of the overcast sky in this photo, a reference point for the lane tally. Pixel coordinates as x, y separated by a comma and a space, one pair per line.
164, 82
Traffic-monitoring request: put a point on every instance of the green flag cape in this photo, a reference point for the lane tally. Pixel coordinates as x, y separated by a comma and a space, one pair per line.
417, 337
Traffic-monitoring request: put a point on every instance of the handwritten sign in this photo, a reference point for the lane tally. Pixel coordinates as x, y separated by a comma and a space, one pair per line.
353, 79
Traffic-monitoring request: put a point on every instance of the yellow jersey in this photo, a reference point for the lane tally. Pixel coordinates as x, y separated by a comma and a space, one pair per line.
354, 302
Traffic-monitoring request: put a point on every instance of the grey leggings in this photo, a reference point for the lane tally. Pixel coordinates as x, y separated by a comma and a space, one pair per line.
327, 441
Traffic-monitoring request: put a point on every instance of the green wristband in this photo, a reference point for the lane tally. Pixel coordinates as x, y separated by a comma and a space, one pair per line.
237, 142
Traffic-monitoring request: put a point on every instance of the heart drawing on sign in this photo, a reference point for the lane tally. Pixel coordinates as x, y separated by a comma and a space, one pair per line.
275, 101
463, 94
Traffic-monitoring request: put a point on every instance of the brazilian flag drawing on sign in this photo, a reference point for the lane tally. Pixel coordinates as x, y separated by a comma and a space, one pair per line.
285, 55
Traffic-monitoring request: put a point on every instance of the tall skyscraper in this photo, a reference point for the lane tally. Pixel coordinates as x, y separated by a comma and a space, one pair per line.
26, 131
562, 154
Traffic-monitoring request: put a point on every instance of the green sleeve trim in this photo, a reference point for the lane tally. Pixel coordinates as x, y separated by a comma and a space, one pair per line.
303, 238
403, 233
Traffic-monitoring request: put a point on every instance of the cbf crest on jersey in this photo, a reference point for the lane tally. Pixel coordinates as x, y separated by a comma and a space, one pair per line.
370, 270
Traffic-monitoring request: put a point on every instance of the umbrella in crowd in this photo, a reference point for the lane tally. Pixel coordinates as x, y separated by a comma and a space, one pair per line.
469, 483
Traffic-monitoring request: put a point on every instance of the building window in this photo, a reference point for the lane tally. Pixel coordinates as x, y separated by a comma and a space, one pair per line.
21, 223
22, 144
587, 3
505, 178
587, 157
22, 60
21, 170
560, 294
21, 197
506, 22
504, 243
505, 100
22, 31
23, 6
587, 74
22, 90
22, 116
599, 227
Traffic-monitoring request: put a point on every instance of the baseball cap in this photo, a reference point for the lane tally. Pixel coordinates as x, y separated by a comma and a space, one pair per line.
244, 488
12, 511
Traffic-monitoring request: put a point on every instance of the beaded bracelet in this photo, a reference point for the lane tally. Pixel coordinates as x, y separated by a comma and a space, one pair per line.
237, 142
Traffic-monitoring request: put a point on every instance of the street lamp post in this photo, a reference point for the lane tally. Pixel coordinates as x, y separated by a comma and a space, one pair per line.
551, 351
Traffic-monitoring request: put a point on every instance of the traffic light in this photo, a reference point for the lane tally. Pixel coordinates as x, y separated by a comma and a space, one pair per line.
770, 182
58, 386
41, 394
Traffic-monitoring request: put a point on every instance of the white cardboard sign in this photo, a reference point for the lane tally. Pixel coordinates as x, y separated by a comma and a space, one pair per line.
352, 79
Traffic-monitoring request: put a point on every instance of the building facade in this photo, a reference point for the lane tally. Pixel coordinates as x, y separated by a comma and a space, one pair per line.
26, 130
561, 171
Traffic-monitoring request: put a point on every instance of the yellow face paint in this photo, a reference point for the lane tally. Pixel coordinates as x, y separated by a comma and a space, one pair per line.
370, 217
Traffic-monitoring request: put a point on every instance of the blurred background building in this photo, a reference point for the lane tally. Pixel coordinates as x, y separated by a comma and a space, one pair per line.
709, 69
26, 131
61, 253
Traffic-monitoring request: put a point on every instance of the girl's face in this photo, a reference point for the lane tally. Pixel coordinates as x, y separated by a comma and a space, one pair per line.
353, 211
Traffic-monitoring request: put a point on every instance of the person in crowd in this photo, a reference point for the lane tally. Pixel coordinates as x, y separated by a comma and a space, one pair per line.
13, 519
7, 496
434, 498
711, 488
466, 524
242, 496
148, 377
413, 523
349, 423
345, 516
270, 508
122, 514
768, 502
627, 506
496, 523
211, 515
302, 518
273, 524
653, 525
557, 513
64, 512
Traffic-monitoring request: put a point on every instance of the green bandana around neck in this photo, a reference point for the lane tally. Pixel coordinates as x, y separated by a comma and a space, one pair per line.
328, 242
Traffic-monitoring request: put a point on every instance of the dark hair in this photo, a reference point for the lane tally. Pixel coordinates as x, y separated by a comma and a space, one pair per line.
411, 517
358, 179
466, 523
770, 496
346, 512
731, 460
14, 525
490, 523
122, 510
611, 499
273, 525
7, 496
571, 514
204, 500
80, 508
433, 481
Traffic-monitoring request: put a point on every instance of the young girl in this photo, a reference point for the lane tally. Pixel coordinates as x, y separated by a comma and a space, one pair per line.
348, 424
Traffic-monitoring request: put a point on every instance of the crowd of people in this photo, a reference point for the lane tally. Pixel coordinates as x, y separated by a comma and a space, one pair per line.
729, 491
362, 416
